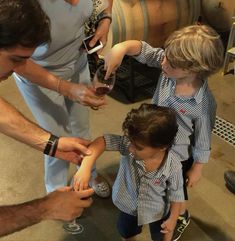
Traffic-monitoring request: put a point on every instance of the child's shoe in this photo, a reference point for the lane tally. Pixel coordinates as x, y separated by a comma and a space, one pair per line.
101, 187
182, 223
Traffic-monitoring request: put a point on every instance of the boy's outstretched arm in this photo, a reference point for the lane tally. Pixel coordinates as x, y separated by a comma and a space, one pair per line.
169, 225
82, 176
114, 57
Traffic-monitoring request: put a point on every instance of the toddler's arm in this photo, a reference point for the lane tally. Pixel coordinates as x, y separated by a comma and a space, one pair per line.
114, 57
82, 177
169, 225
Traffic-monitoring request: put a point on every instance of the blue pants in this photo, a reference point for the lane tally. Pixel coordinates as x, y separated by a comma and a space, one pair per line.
128, 227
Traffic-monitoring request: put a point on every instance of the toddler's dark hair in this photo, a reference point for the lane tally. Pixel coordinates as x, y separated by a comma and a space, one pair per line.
151, 125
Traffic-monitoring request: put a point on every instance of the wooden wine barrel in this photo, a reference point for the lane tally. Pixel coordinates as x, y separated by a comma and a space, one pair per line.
150, 20
218, 13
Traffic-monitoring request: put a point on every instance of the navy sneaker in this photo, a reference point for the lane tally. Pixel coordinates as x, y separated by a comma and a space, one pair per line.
182, 223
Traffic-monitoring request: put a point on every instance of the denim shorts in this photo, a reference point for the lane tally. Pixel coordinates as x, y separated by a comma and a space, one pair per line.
127, 226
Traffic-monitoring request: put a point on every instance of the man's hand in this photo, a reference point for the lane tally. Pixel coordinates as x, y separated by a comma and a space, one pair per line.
66, 204
101, 33
72, 149
81, 93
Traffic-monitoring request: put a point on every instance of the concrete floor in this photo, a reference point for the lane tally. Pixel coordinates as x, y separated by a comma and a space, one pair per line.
211, 205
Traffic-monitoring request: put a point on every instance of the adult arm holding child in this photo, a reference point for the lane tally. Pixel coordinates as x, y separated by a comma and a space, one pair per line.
17, 126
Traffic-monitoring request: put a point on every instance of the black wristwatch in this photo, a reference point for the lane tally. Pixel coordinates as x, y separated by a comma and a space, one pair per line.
104, 15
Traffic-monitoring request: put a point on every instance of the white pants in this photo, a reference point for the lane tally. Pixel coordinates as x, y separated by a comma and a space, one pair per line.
60, 116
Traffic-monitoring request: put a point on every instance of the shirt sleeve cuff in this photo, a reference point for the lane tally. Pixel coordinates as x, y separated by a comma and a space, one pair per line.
201, 155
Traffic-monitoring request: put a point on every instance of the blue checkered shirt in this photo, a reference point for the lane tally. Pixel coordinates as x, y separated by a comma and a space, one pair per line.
196, 114
145, 194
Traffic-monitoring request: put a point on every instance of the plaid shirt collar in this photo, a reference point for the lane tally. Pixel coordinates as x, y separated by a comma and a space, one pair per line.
164, 169
198, 95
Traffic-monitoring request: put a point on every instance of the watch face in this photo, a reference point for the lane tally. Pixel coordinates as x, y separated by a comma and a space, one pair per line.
104, 15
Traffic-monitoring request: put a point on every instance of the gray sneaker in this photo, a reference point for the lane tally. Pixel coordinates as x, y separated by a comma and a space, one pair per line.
101, 187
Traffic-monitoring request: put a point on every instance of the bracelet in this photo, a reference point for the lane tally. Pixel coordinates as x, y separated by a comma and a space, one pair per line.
58, 86
104, 15
50, 143
54, 148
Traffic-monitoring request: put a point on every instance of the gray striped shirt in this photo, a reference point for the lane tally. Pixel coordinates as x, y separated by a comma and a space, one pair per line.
196, 114
145, 194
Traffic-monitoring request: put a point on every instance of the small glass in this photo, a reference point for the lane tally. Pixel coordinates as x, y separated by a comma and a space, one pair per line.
73, 227
102, 86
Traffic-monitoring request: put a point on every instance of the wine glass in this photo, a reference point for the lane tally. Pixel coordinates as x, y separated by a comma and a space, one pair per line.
73, 227
102, 86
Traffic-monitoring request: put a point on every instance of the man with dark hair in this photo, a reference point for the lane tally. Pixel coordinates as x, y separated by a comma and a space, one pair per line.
24, 26
56, 84
23, 23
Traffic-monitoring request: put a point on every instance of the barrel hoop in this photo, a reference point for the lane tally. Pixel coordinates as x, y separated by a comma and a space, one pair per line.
196, 6
118, 20
178, 5
146, 19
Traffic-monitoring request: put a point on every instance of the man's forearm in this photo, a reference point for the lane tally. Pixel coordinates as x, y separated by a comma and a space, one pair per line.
16, 217
38, 75
15, 125
62, 204
109, 8
42, 77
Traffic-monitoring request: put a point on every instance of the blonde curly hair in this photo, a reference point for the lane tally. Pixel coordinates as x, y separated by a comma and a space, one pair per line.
196, 48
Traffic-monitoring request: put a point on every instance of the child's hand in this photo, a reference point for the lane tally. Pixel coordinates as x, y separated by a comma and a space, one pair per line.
168, 228
113, 59
194, 174
81, 179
